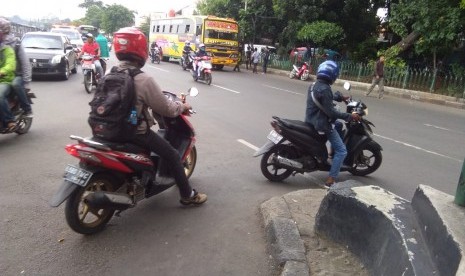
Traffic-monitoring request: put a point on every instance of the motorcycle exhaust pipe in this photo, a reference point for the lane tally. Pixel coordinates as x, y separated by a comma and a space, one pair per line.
288, 163
108, 200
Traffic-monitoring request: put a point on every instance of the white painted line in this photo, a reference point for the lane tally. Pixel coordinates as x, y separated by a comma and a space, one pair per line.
418, 148
443, 128
227, 89
163, 70
247, 144
288, 91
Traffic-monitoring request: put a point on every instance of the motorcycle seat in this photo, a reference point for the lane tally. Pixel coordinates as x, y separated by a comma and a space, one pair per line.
124, 147
303, 127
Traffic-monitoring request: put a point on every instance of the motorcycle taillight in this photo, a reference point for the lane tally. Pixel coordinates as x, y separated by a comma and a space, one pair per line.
81, 154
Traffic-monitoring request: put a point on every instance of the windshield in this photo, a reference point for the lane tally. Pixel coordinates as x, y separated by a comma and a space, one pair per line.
209, 33
70, 34
42, 42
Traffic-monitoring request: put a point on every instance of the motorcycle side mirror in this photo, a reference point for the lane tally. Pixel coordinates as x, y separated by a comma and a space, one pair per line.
193, 91
347, 85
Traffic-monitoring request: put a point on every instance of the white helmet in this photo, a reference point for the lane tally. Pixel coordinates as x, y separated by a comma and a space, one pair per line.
188, 43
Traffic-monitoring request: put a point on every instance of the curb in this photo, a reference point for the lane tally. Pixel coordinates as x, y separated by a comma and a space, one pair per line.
395, 92
287, 247
390, 235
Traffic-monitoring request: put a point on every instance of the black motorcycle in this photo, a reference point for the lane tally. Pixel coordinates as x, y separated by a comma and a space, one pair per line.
155, 55
296, 147
187, 60
23, 122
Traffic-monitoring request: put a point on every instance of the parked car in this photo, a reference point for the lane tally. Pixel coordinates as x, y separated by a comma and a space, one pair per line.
297, 54
50, 54
73, 35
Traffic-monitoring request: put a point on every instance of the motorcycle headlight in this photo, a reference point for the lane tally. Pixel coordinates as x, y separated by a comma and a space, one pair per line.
233, 56
56, 59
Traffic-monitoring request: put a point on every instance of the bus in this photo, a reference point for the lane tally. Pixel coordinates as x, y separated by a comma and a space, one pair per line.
85, 29
220, 36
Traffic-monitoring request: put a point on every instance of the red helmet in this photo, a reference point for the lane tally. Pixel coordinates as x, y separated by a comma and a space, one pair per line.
130, 44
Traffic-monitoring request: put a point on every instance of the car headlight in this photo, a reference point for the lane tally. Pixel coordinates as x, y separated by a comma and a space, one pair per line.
56, 59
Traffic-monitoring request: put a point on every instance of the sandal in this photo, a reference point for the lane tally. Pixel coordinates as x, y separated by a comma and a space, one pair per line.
11, 127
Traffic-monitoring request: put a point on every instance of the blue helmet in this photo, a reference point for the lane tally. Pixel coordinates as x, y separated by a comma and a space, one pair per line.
328, 70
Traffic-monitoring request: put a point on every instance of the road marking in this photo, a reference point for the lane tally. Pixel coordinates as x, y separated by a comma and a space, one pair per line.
247, 144
443, 128
417, 148
163, 70
227, 89
288, 91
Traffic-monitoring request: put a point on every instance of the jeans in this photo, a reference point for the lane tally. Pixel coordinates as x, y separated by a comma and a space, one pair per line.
169, 155
5, 112
18, 86
99, 68
340, 152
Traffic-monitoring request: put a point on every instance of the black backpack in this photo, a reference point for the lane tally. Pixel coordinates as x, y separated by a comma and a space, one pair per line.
113, 115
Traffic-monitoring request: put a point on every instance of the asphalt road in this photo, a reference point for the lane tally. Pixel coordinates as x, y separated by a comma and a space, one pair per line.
423, 144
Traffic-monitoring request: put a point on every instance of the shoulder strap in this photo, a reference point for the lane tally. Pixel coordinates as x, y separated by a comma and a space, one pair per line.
319, 104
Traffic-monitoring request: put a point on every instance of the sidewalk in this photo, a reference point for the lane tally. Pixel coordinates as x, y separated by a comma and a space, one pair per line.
390, 91
352, 229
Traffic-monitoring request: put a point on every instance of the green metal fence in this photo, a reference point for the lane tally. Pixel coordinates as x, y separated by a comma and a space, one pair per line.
431, 81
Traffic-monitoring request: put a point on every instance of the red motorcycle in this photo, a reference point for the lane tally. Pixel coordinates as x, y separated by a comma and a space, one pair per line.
302, 72
112, 177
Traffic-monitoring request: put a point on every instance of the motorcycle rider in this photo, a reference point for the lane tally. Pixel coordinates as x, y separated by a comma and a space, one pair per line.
153, 46
93, 48
7, 75
132, 55
22, 81
323, 120
200, 53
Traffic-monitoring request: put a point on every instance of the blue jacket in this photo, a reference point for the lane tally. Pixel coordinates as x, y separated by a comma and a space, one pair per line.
316, 117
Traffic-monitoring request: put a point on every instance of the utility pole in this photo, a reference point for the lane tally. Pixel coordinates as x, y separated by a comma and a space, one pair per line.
245, 8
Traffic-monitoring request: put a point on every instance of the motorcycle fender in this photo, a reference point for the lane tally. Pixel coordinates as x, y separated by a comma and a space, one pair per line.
265, 148
362, 142
63, 193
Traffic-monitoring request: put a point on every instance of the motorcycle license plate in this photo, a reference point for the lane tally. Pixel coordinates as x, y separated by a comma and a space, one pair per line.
274, 137
77, 175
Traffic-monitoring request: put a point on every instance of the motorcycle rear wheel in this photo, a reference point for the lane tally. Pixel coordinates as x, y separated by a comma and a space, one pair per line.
79, 216
292, 74
189, 163
304, 76
366, 161
24, 124
88, 83
270, 169
208, 78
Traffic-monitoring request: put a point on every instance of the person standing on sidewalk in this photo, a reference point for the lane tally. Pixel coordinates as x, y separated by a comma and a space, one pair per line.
248, 55
266, 58
378, 78
255, 58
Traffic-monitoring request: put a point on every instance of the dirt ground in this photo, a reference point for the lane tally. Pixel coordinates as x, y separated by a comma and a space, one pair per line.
324, 257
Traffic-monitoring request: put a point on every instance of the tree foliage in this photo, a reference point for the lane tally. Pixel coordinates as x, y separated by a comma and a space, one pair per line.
436, 23
89, 3
94, 16
322, 33
116, 17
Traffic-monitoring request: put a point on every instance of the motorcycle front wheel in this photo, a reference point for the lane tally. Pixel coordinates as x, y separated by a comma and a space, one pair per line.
157, 59
292, 74
366, 161
270, 168
88, 82
189, 163
304, 76
79, 216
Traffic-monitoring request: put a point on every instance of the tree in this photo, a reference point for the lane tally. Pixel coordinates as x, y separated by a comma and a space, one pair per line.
116, 17
433, 26
94, 16
89, 3
322, 33
145, 26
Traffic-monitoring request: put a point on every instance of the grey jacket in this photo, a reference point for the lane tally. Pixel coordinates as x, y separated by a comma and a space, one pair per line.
314, 115
23, 66
150, 95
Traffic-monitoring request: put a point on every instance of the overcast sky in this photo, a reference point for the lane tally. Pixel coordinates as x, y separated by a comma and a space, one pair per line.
36, 9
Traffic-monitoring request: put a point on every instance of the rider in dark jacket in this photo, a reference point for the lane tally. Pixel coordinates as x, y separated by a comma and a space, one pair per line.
323, 120
200, 53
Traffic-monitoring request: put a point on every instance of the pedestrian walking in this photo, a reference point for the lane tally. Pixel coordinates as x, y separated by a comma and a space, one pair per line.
248, 55
266, 58
239, 60
255, 58
378, 78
